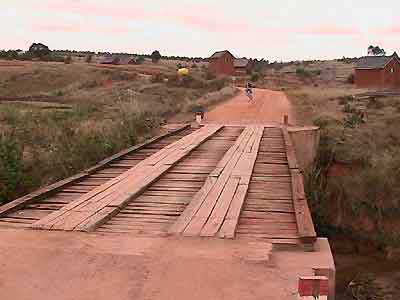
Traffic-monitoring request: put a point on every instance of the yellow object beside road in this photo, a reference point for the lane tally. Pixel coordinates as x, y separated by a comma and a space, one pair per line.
183, 71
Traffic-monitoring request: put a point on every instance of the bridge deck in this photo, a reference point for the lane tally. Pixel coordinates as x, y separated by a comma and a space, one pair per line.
217, 181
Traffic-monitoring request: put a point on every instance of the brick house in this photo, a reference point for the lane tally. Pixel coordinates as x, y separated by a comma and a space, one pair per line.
222, 63
382, 72
243, 66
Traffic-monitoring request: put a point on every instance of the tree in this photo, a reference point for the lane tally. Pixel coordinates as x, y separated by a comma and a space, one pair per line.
376, 51
68, 60
140, 60
39, 50
89, 58
156, 56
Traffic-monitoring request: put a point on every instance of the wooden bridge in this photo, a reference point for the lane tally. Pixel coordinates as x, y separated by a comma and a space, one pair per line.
216, 181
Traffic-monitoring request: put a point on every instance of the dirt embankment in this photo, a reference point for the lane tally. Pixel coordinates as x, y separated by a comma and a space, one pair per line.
353, 189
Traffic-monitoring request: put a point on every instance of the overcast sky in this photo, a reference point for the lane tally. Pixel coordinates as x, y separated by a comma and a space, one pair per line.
275, 30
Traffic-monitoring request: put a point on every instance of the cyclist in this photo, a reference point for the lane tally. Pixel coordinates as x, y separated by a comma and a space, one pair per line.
249, 91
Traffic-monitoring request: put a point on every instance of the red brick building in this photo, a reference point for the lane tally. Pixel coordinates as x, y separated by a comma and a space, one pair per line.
382, 72
222, 63
243, 66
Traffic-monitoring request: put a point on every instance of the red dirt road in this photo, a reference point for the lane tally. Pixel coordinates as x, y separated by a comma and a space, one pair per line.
42, 265
268, 107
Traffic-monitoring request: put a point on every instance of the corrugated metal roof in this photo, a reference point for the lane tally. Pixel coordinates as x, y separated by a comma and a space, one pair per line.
375, 62
241, 63
124, 60
219, 54
107, 60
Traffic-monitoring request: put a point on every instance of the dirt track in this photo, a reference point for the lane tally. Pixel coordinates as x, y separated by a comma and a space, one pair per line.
268, 107
40, 265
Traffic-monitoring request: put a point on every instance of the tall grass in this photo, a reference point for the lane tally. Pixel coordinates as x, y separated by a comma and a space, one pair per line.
39, 147
364, 200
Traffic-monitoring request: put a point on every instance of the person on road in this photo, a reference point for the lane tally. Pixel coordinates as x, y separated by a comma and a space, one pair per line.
249, 91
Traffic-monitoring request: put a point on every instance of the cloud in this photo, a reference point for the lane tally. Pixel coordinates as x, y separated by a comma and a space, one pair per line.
195, 16
390, 30
75, 28
330, 30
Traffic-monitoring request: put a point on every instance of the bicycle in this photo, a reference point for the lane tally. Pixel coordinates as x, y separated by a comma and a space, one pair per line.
249, 94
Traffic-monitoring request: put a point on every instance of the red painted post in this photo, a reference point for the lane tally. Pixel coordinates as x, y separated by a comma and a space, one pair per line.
313, 286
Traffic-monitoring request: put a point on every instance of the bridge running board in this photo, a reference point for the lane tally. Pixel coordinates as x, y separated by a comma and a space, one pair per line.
104, 200
218, 181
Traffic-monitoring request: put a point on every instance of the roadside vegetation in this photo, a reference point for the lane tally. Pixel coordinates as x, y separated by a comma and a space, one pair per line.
353, 188
57, 119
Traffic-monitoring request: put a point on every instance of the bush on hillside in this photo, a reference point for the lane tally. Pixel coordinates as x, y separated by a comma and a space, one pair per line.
255, 77
68, 60
375, 103
89, 58
157, 78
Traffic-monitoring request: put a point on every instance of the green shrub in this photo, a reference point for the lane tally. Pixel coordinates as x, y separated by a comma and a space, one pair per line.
353, 120
11, 168
348, 108
123, 76
216, 84
303, 72
325, 121
68, 59
191, 82
89, 58
345, 99
254, 77
140, 60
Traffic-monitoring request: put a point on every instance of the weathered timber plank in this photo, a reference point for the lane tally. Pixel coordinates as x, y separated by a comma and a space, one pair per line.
53, 188
245, 170
218, 214
290, 152
126, 187
202, 215
184, 219
304, 220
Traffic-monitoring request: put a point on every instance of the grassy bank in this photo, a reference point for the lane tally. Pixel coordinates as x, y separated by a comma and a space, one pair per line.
353, 188
58, 119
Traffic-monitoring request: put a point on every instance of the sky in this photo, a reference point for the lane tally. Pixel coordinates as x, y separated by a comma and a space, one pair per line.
281, 30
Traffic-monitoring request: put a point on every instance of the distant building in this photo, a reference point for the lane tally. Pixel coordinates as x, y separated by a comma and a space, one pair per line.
222, 63
118, 60
378, 72
243, 66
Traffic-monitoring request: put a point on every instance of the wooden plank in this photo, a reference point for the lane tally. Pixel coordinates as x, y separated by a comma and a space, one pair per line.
121, 190
304, 220
44, 192
98, 219
230, 223
221, 208
290, 152
180, 225
202, 215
